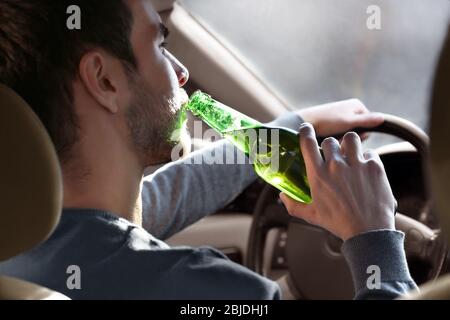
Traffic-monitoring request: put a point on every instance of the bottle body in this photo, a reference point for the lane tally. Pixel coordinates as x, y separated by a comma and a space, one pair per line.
273, 151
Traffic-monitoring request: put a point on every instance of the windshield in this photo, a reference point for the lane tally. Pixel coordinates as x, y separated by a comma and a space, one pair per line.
315, 51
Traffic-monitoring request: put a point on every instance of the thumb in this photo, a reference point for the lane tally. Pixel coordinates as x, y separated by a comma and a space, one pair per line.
297, 209
369, 120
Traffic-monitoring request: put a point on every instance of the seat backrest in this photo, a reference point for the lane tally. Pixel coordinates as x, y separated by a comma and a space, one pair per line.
440, 164
439, 137
30, 188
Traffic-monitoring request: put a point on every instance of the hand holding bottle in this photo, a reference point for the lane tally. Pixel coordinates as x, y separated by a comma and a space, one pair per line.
350, 190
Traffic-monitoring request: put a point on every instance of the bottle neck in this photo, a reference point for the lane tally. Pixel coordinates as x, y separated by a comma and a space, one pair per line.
217, 115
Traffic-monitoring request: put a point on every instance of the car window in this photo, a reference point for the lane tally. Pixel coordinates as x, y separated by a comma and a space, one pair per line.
316, 51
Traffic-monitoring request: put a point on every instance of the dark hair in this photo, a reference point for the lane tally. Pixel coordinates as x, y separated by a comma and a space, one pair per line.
39, 55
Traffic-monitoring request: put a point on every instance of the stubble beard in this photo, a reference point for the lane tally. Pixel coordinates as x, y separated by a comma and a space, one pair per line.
151, 120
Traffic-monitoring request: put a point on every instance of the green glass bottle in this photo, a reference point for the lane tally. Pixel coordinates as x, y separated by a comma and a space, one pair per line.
274, 151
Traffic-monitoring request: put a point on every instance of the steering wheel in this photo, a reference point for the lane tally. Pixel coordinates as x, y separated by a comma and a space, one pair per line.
312, 255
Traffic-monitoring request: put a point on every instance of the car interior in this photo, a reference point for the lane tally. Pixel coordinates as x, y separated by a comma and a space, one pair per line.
31, 190
255, 229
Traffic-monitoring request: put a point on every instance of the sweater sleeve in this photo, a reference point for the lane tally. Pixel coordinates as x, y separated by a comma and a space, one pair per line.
378, 265
184, 191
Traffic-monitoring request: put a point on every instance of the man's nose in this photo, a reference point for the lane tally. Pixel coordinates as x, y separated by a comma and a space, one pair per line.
181, 71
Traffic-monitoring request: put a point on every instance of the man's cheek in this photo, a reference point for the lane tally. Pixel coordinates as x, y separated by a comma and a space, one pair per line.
162, 81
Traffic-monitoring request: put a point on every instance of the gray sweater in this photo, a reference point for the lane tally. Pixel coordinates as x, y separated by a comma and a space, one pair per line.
119, 260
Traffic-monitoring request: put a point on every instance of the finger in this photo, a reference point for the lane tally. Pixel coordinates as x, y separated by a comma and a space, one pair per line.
368, 120
364, 136
351, 148
310, 148
358, 106
372, 155
297, 209
331, 149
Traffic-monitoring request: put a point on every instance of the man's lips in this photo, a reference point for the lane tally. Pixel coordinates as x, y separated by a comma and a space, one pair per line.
179, 99
183, 97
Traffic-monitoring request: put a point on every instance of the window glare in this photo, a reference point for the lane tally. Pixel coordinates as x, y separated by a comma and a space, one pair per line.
316, 51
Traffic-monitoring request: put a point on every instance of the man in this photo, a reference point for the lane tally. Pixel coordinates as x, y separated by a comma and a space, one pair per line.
109, 95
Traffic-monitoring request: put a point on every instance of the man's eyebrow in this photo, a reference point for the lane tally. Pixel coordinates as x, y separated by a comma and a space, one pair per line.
163, 30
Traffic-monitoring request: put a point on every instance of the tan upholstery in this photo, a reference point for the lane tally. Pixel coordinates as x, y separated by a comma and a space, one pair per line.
15, 289
440, 165
30, 188
437, 290
440, 135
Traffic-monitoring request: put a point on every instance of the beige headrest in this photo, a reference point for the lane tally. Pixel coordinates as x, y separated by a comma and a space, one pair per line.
440, 138
15, 289
30, 182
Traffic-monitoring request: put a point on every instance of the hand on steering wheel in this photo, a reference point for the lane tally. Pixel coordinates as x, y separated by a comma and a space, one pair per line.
313, 254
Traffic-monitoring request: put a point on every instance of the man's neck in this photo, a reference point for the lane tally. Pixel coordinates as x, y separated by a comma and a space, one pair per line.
116, 190
104, 177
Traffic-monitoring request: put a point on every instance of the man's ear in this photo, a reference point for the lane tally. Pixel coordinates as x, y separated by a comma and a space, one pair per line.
99, 74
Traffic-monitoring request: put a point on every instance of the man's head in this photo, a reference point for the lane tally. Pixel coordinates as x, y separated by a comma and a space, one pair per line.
114, 70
